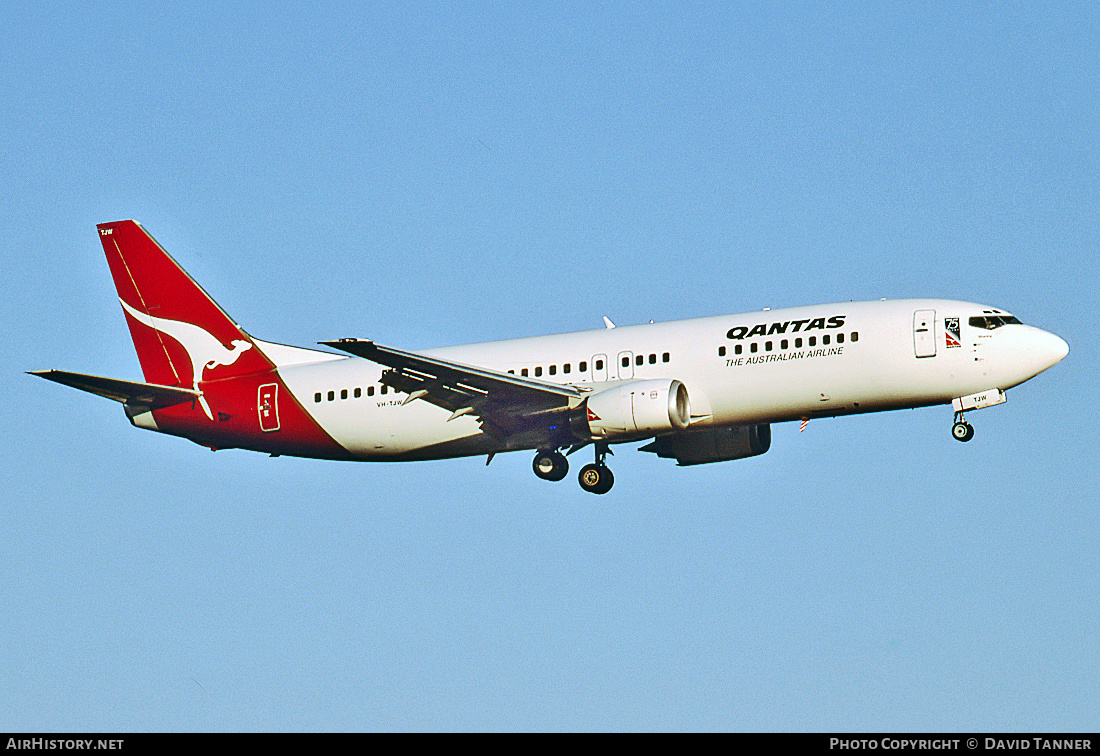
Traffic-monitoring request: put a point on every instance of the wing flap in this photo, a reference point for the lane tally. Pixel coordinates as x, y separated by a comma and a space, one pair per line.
151, 395
504, 403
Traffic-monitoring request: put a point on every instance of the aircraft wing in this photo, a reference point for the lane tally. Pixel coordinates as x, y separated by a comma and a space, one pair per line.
504, 403
151, 395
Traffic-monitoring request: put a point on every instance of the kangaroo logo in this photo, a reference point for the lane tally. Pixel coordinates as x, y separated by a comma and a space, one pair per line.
205, 351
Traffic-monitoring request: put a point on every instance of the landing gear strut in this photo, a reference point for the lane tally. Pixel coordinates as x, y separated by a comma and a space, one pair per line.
597, 478
962, 430
550, 465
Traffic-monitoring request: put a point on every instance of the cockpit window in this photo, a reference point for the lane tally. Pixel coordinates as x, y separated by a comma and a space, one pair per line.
989, 322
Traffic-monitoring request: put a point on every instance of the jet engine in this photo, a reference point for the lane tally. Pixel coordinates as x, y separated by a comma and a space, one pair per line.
635, 408
713, 444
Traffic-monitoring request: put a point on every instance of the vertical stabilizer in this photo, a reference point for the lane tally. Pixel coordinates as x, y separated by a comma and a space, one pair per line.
181, 335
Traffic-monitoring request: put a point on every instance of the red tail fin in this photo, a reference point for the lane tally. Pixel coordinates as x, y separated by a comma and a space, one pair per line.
181, 335
184, 339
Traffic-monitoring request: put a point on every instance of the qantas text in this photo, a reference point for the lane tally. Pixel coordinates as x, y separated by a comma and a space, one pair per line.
769, 329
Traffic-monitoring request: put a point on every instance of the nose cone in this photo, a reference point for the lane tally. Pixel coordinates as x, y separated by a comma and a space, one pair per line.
1020, 352
1043, 349
1050, 349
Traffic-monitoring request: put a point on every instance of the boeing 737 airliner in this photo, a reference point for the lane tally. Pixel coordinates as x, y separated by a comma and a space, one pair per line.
704, 390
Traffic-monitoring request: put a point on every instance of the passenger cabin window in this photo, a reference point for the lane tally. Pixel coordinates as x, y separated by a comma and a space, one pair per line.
358, 392
566, 368
553, 370
538, 371
825, 340
737, 349
385, 389
665, 357
652, 359
599, 364
343, 393
583, 367
840, 338
626, 362
639, 360
855, 336
753, 347
722, 351
812, 341
370, 390
331, 395
317, 397
523, 372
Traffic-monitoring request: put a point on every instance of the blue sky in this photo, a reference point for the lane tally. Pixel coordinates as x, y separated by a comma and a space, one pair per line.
436, 174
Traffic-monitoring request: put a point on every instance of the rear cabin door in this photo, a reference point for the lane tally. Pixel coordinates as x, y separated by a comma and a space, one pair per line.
268, 407
924, 333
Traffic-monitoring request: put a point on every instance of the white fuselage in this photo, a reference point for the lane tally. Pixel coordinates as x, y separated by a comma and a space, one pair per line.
757, 367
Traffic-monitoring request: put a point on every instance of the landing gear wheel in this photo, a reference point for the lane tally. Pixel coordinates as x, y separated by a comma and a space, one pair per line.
550, 465
962, 431
596, 479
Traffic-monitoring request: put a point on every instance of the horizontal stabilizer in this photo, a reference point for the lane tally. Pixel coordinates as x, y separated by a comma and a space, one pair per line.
149, 395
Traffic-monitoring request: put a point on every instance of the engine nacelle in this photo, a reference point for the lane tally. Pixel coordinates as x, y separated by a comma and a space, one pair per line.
713, 444
635, 408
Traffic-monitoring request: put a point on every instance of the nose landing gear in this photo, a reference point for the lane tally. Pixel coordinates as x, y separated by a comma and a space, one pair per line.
962, 430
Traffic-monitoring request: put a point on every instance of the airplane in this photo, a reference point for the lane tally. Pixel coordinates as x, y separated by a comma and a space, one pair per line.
700, 391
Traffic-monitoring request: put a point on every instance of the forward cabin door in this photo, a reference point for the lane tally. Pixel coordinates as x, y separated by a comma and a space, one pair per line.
924, 333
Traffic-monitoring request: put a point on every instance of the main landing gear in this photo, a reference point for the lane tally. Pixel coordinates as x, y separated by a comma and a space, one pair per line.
962, 430
595, 478
550, 465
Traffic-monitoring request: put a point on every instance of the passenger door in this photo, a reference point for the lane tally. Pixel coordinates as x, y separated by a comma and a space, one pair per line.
268, 406
924, 333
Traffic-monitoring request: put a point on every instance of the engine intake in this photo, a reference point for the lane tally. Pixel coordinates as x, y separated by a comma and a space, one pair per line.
636, 408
